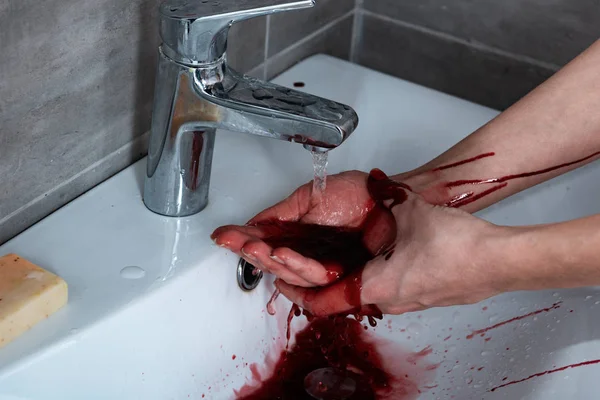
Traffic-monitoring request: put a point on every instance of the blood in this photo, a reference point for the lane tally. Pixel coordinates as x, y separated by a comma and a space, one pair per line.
271, 303
469, 197
197, 146
298, 84
298, 138
551, 371
466, 161
339, 341
340, 250
482, 332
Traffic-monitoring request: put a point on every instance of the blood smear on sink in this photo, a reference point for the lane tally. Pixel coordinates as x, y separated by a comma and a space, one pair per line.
381, 369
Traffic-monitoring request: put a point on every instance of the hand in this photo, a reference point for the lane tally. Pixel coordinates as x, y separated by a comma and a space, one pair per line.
441, 257
345, 203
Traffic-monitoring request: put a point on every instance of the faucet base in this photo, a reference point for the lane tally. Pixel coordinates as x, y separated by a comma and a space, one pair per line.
178, 187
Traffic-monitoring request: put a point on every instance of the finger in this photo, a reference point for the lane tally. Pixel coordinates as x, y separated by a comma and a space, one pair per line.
261, 252
322, 301
290, 209
228, 229
308, 269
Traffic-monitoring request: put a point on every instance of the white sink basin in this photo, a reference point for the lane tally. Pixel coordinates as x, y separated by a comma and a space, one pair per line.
172, 333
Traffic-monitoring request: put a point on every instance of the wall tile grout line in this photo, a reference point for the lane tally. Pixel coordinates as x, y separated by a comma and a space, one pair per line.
267, 38
357, 30
311, 36
472, 44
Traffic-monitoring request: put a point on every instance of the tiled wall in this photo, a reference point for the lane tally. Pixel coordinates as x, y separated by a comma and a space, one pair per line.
489, 51
76, 87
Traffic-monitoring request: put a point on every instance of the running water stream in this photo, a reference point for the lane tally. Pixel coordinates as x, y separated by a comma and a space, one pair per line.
319, 185
320, 173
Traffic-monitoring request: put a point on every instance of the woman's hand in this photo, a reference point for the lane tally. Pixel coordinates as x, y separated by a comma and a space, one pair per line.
345, 203
441, 257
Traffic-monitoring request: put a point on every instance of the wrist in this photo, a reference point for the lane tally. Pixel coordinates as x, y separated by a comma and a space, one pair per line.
517, 259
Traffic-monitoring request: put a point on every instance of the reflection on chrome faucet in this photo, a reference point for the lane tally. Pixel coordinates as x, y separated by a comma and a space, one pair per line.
197, 92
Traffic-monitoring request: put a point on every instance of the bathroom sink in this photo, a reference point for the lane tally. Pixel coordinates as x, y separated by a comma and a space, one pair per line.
155, 311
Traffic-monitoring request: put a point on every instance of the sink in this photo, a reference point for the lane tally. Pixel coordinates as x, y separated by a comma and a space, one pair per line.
175, 325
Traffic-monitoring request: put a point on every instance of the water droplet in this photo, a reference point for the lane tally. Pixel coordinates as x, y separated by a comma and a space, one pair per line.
133, 272
452, 348
555, 294
512, 359
587, 298
455, 315
597, 302
523, 309
486, 353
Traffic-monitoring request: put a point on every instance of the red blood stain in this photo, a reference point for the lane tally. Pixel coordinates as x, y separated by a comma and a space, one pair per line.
545, 373
233, 357
483, 331
466, 161
470, 196
380, 368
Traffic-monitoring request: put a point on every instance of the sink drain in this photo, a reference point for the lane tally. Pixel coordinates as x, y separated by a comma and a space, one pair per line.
248, 276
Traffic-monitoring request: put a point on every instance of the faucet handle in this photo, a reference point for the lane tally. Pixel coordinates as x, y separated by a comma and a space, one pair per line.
194, 32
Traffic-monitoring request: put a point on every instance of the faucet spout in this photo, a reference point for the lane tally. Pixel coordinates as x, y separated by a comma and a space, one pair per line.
193, 99
265, 109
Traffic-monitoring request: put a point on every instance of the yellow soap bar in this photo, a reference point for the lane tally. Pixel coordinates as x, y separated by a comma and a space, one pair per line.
28, 295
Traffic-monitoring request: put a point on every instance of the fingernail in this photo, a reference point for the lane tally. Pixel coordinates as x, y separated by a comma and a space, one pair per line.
250, 256
277, 259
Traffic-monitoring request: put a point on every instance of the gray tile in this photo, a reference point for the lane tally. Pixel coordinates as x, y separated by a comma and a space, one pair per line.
335, 41
553, 31
81, 182
246, 44
455, 68
77, 85
288, 27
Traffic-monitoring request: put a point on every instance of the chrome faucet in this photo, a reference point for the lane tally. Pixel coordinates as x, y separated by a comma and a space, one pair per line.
197, 93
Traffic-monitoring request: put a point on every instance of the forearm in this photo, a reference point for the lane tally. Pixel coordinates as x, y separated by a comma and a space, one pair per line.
552, 256
557, 123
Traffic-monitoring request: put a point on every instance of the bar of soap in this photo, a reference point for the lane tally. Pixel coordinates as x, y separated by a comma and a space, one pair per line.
28, 295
